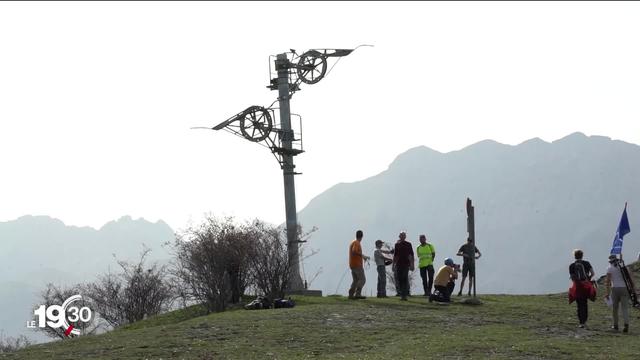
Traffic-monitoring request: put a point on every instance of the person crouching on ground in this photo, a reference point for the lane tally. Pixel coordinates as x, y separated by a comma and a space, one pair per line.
356, 263
445, 279
381, 265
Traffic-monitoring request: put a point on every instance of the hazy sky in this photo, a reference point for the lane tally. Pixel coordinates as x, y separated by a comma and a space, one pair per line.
97, 99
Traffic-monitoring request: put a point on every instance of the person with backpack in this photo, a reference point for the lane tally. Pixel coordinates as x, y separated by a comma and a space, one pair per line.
381, 264
426, 254
618, 293
582, 289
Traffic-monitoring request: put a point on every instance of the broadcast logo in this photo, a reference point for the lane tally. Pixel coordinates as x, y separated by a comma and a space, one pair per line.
66, 316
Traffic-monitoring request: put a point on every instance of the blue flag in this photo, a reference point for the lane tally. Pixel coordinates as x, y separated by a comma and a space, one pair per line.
623, 229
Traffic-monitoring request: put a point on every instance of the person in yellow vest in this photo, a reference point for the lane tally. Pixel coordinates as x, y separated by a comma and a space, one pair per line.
426, 253
356, 263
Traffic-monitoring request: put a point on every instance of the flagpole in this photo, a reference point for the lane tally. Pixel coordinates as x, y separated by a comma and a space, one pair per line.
623, 229
623, 211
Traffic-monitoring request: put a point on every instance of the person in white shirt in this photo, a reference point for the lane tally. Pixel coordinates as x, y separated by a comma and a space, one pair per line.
617, 291
381, 264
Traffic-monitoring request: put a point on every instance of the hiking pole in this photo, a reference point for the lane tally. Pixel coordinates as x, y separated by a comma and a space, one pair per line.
342, 278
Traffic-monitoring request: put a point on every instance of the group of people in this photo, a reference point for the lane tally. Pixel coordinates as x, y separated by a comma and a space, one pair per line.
402, 260
583, 288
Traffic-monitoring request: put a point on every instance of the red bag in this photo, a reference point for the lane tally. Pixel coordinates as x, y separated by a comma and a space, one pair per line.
572, 292
582, 289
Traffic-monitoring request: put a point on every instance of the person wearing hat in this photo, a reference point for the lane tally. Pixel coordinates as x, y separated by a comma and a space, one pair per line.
445, 279
381, 263
617, 292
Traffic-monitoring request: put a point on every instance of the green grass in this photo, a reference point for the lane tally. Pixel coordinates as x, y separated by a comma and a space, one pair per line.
504, 327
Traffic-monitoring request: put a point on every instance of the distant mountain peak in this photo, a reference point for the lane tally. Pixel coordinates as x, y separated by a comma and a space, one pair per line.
126, 219
485, 144
533, 141
414, 154
576, 136
127, 222
39, 220
422, 150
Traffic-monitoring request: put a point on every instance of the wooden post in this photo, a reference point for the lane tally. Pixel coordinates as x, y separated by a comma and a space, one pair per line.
472, 235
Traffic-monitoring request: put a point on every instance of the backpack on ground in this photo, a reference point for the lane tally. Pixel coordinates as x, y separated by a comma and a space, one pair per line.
283, 303
258, 304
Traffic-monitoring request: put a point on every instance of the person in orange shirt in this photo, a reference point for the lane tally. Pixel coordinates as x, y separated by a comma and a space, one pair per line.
356, 263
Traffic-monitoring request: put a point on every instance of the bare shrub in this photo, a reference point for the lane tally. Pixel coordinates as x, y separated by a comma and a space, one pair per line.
105, 295
212, 262
131, 295
240, 249
270, 265
181, 290
219, 261
11, 344
53, 295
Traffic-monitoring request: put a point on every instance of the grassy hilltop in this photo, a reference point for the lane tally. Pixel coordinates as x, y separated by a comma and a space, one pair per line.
505, 326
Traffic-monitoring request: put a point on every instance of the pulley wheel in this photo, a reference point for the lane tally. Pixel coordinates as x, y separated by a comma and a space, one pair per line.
312, 67
256, 123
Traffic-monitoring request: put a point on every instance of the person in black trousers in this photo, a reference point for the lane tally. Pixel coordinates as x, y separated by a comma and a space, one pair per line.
580, 272
403, 261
